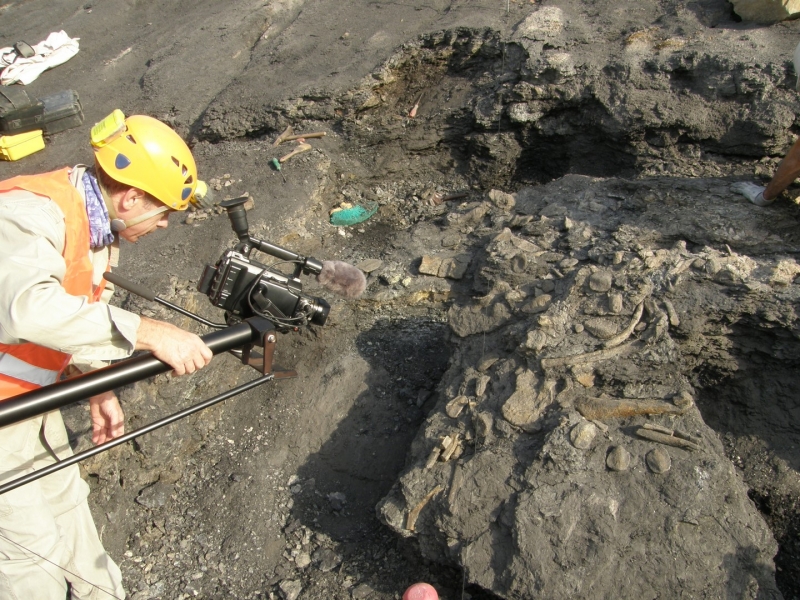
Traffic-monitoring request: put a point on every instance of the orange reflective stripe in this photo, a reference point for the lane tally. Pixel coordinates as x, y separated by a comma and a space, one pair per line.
10, 387
77, 278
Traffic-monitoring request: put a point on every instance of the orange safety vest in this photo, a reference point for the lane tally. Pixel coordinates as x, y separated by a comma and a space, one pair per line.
28, 366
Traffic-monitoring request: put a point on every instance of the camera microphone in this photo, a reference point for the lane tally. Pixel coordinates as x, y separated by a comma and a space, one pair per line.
342, 278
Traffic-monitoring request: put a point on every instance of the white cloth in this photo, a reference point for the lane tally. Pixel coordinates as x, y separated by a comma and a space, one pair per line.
57, 49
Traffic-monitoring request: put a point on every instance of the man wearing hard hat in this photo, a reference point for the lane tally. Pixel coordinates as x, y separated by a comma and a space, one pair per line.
59, 234
785, 174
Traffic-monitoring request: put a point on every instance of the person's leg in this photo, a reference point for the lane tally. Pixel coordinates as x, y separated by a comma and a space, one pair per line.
92, 574
785, 174
30, 544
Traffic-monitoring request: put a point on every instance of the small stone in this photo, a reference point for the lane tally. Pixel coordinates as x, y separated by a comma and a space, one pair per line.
586, 378
683, 399
615, 303
583, 434
578, 327
658, 460
618, 459
291, 588
302, 560
487, 362
568, 263
600, 281
481, 384
337, 500
698, 263
713, 266
328, 559
483, 424
361, 592
502, 200
538, 304
370, 265
455, 406
536, 340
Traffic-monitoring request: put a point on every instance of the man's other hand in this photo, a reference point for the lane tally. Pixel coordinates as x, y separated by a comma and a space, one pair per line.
108, 420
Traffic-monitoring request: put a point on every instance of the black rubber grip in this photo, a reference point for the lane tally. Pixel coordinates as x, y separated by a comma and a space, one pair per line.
129, 285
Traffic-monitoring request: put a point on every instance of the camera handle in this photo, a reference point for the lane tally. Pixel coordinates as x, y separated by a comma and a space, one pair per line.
238, 217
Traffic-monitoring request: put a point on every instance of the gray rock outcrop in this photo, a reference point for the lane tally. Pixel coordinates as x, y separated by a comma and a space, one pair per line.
578, 463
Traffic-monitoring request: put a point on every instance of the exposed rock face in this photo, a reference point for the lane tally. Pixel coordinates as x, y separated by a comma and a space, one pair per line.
766, 11
541, 501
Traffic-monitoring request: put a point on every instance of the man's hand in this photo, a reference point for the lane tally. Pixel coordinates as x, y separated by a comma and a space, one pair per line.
108, 421
185, 352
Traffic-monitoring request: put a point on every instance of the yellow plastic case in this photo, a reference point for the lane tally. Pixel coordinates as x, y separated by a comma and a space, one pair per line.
14, 147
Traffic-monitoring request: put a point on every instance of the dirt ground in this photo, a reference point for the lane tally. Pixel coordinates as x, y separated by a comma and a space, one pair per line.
273, 494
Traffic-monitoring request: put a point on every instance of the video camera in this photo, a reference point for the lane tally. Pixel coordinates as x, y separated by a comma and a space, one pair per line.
244, 287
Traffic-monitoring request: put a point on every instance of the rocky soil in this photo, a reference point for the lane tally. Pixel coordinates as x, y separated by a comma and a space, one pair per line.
573, 371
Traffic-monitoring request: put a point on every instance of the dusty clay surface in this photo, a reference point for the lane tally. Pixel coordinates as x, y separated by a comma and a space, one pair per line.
556, 265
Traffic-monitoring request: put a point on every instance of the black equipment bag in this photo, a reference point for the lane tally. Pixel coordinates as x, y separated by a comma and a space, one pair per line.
19, 111
62, 111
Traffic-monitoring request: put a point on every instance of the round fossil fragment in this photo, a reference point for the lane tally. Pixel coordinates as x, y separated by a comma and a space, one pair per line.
601, 328
583, 434
600, 281
536, 340
658, 460
683, 399
618, 459
519, 263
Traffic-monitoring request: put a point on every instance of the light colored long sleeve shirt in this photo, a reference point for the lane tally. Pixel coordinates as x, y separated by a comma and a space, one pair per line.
34, 307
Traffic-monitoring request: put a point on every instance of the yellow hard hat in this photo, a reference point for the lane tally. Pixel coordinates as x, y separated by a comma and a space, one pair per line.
145, 153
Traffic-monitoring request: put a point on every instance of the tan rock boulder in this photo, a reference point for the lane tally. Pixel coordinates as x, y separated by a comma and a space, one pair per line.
766, 11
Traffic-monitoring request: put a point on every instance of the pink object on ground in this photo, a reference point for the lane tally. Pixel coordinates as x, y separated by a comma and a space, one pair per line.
421, 591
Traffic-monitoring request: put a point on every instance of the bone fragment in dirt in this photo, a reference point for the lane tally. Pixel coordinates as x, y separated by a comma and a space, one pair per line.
437, 198
669, 440
433, 457
413, 112
626, 333
304, 136
605, 407
413, 514
590, 357
675, 432
299, 150
455, 444
282, 137
455, 485
674, 320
